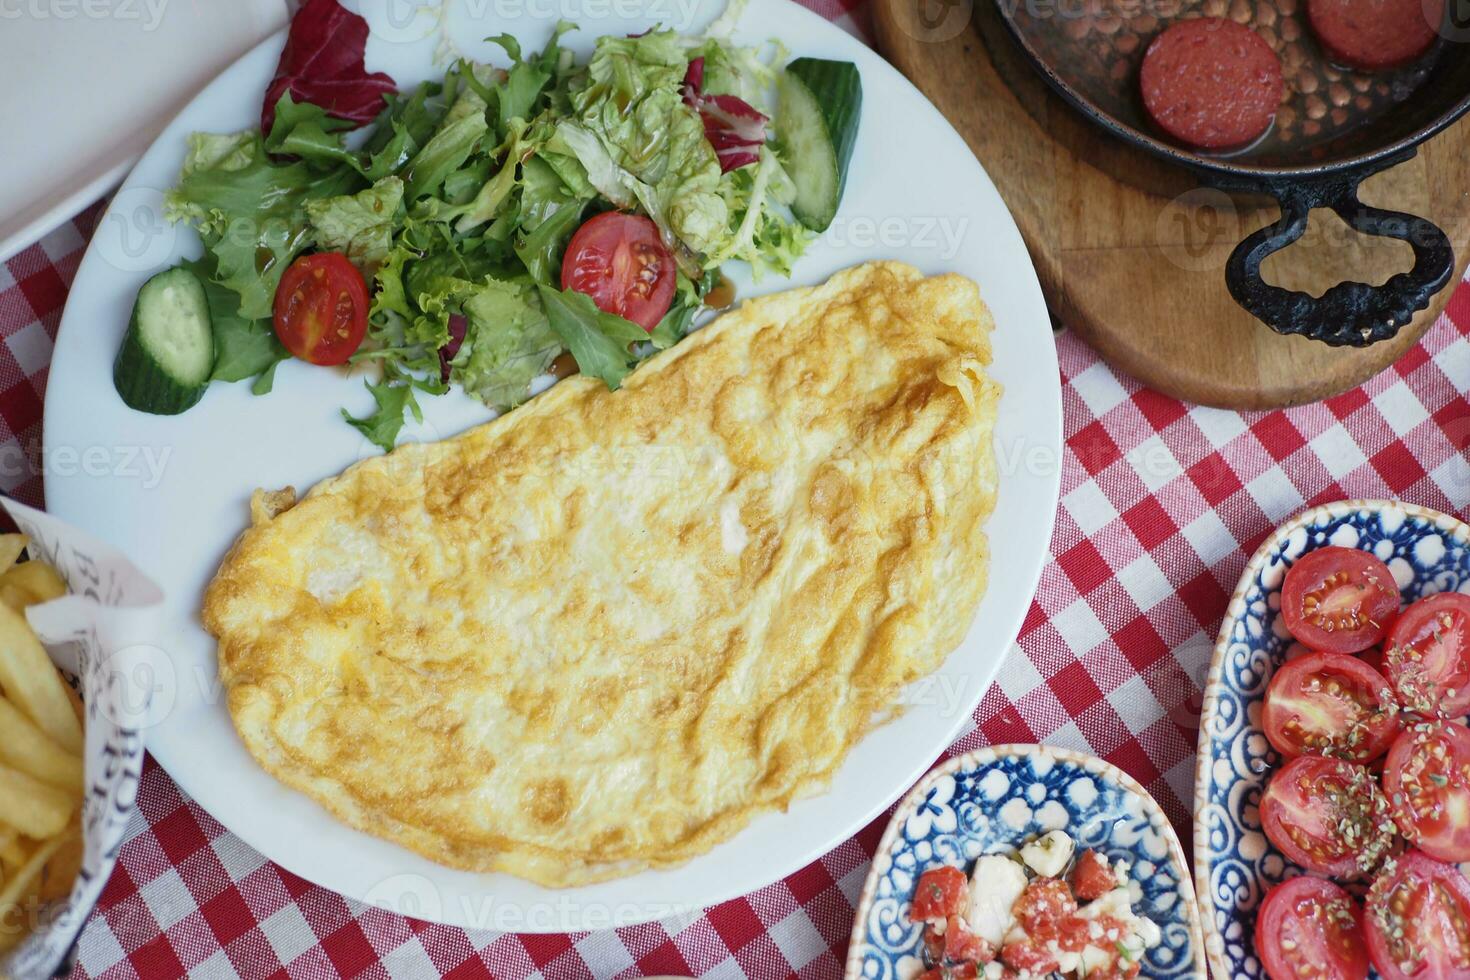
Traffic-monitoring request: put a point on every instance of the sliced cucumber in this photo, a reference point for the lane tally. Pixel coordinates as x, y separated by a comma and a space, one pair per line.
168, 353
821, 103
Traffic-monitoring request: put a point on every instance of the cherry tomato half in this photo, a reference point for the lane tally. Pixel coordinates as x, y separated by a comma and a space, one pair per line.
621, 262
321, 308
1417, 921
1427, 659
1339, 600
1427, 782
1330, 704
1328, 816
1307, 927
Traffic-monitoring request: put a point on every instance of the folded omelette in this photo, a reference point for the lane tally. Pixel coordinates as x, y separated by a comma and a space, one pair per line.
603, 632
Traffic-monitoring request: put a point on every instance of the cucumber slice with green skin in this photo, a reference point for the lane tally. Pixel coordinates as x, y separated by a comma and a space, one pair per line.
166, 358
821, 103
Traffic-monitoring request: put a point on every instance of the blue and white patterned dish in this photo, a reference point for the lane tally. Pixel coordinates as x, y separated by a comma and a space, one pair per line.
993, 801
1235, 865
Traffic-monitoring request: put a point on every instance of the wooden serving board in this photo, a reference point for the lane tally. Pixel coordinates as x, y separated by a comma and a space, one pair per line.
1131, 251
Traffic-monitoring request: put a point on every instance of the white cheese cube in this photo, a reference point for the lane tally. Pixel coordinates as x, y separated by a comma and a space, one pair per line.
1048, 855
995, 885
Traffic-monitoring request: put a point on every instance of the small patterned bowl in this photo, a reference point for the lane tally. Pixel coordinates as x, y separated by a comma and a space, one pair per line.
1234, 864
994, 800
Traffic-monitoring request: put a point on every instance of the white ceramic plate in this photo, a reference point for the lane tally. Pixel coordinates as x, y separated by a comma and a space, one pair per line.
90, 84
172, 492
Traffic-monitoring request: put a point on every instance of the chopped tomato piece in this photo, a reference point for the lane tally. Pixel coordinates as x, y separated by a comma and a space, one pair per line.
942, 892
1044, 910
1092, 878
1028, 956
961, 971
963, 946
933, 945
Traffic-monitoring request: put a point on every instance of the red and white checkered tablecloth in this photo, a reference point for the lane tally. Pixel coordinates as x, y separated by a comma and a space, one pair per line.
1162, 505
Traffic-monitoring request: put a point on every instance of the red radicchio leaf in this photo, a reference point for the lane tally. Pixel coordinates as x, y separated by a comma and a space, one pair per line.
323, 64
733, 126
457, 327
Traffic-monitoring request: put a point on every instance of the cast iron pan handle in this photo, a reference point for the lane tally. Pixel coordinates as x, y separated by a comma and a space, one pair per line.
1350, 314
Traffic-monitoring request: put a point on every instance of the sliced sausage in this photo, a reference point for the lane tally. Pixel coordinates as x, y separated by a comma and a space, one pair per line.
1211, 83
1375, 35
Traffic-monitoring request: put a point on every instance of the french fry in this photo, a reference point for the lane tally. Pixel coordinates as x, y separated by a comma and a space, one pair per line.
25, 747
12, 850
22, 885
11, 545
60, 873
31, 807
30, 680
34, 580
15, 597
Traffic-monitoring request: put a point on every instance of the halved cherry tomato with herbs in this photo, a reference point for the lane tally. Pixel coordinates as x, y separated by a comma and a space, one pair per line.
1417, 920
1328, 816
621, 262
1330, 704
941, 893
321, 308
1339, 600
1309, 928
1427, 657
1427, 781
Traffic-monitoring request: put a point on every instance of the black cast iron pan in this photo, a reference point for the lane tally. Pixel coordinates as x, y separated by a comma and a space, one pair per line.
1335, 128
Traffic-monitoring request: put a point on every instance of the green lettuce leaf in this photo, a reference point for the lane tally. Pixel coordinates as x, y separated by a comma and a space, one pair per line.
359, 225
508, 343
549, 213
450, 146
304, 130
599, 341
761, 233
382, 425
